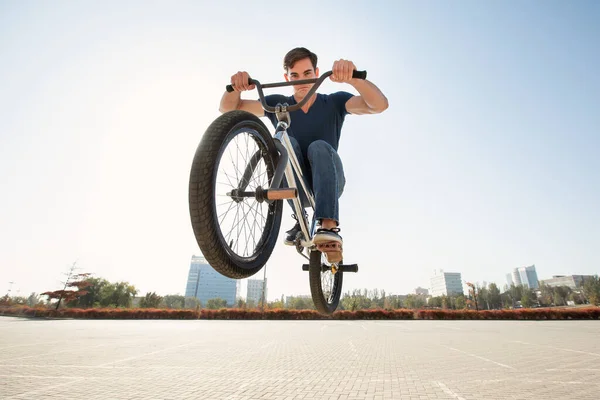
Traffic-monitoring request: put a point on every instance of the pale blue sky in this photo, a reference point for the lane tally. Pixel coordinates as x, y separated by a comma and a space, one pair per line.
486, 160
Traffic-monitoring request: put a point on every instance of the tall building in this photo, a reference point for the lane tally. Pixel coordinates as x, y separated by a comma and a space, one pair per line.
205, 283
254, 290
525, 276
422, 291
572, 281
446, 283
516, 277
509, 280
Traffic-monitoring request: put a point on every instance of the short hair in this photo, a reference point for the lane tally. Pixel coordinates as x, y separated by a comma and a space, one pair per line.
297, 54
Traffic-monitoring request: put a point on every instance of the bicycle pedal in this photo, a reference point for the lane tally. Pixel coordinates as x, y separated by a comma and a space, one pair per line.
332, 251
340, 267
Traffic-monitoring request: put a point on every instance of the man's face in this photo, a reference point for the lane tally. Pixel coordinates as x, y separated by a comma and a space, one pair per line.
302, 69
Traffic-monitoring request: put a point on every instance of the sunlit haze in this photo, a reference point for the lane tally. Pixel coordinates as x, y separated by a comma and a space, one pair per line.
486, 160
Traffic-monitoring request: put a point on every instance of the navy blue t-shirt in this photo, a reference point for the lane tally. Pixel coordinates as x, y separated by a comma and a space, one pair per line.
323, 120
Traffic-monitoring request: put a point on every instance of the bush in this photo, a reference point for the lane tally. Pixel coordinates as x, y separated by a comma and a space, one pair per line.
289, 314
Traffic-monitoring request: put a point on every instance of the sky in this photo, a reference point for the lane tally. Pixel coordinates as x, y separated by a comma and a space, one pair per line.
486, 159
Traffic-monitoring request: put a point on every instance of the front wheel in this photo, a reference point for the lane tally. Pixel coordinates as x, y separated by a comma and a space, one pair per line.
235, 232
325, 283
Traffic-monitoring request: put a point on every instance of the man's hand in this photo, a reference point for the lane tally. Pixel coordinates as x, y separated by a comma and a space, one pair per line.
342, 71
239, 82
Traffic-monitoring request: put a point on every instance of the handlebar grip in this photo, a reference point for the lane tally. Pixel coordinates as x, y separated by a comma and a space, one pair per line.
359, 74
229, 88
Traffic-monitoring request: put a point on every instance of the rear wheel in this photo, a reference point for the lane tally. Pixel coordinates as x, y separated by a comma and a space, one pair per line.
236, 233
325, 284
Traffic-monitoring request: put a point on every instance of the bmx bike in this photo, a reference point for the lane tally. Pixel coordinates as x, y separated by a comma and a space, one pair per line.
236, 196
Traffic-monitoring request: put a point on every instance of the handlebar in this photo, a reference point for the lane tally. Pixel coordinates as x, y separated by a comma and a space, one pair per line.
317, 82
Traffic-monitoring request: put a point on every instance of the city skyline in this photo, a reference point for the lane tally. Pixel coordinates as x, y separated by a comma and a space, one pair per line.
483, 162
241, 285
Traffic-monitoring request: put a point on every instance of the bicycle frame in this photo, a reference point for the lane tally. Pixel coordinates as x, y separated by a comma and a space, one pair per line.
293, 166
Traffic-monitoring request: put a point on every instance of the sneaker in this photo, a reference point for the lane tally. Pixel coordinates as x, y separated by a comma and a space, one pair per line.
327, 235
292, 234
329, 242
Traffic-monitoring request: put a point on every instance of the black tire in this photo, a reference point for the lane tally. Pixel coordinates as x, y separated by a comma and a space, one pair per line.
216, 246
325, 301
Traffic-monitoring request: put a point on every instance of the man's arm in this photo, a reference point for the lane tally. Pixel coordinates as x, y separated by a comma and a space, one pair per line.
371, 99
232, 101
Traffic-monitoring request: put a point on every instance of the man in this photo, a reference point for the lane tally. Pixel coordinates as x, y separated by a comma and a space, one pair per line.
315, 132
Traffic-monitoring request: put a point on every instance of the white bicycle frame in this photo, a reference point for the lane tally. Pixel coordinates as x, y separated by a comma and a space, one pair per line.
292, 166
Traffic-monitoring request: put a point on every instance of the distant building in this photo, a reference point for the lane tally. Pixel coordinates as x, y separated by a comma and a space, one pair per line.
422, 291
254, 290
205, 283
446, 283
516, 277
509, 280
572, 281
526, 276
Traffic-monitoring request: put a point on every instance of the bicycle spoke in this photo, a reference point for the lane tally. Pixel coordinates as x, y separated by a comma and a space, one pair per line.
242, 223
235, 225
225, 213
230, 184
254, 224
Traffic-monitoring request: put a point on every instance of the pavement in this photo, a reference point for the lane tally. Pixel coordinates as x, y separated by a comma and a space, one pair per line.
341, 360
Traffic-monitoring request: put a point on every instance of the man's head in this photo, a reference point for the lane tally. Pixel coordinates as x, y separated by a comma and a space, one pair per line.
300, 63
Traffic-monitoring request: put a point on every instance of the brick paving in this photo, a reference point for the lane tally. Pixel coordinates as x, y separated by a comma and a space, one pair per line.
288, 360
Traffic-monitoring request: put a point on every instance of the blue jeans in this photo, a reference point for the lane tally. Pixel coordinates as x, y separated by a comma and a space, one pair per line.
324, 174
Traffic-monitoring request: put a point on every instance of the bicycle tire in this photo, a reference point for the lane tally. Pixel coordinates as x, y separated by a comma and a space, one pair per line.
202, 201
324, 304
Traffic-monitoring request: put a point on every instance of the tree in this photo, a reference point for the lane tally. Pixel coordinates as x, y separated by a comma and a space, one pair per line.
527, 298
473, 294
414, 301
507, 301
192, 303
377, 298
151, 300
66, 295
275, 304
393, 302
460, 302
349, 301
19, 300
174, 301
494, 298
357, 300
78, 281
215, 304
547, 295
483, 297
300, 303
561, 294
34, 300
250, 303
577, 297
93, 296
5, 300
435, 301
591, 290
515, 293
117, 294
